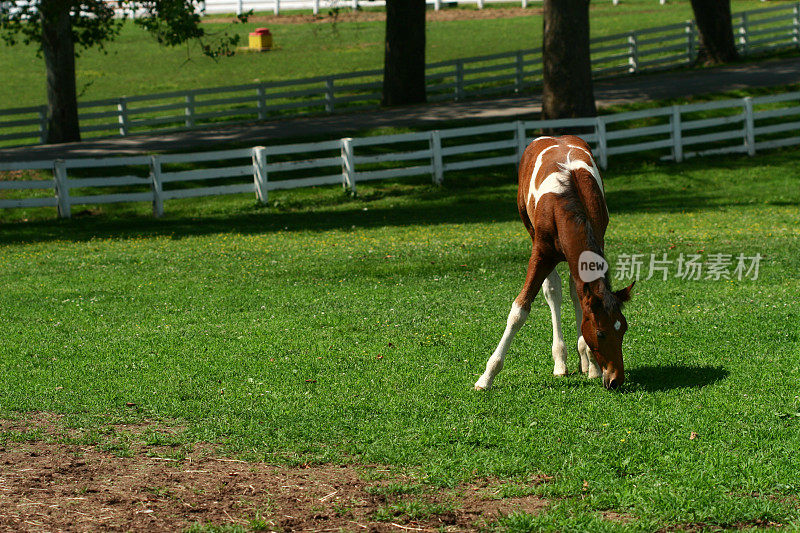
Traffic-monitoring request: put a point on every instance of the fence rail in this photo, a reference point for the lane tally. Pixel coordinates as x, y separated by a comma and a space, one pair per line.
277, 6
676, 132
625, 53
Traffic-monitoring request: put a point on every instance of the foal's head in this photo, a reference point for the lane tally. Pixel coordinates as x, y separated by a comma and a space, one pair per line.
603, 327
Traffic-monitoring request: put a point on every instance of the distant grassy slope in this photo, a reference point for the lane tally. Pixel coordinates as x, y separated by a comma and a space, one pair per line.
135, 64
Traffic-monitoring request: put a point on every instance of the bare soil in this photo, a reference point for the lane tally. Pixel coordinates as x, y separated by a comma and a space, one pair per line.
51, 480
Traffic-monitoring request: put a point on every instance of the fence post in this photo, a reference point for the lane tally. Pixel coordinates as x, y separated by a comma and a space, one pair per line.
156, 186
602, 142
524, 4
480, 4
42, 124
315, 9
122, 109
262, 102
355, 5
348, 168
743, 37
437, 168
521, 136
260, 173
690, 42
329, 95
459, 80
189, 111
796, 25
239, 7
277, 8
520, 79
62, 188
749, 127
437, 5
633, 53
675, 130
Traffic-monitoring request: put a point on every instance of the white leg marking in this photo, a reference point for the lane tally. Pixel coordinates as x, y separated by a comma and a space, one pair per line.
552, 294
516, 318
594, 368
583, 348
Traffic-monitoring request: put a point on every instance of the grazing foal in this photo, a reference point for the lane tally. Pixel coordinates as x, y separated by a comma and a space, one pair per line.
560, 199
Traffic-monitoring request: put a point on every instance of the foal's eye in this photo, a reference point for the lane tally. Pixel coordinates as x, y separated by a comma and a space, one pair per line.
600, 334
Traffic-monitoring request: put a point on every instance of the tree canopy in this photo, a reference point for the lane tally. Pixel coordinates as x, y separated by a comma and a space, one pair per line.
63, 28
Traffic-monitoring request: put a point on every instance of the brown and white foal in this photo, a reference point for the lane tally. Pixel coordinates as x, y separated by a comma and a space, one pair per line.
562, 204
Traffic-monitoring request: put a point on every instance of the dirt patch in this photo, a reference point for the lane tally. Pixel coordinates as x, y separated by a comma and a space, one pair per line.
347, 15
49, 481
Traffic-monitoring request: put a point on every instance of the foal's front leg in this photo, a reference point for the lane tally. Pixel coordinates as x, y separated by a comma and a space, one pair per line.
538, 269
552, 294
588, 362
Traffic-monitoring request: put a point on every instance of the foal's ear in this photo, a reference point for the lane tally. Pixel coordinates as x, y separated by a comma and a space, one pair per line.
623, 295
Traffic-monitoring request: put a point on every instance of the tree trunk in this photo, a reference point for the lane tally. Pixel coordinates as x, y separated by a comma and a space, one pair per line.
716, 31
404, 60
59, 57
567, 69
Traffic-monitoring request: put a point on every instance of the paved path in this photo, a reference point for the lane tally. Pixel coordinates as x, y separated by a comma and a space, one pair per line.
612, 91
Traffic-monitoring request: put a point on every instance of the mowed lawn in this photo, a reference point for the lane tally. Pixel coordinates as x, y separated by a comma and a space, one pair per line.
135, 64
326, 328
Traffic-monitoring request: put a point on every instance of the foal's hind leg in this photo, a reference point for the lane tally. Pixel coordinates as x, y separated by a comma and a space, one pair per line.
538, 269
552, 294
588, 362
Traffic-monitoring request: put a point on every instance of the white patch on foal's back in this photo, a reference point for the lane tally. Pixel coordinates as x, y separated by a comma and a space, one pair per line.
556, 182
579, 163
532, 189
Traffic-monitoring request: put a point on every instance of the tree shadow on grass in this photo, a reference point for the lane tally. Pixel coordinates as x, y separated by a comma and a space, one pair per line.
258, 220
665, 378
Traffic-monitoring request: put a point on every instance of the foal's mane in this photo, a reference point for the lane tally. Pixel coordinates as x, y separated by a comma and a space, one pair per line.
574, 207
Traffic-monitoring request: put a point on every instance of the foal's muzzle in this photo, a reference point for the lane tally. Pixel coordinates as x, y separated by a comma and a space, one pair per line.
612, 380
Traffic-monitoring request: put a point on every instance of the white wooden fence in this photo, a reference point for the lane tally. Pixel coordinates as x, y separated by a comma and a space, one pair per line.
278, 6
625, 53
676, 132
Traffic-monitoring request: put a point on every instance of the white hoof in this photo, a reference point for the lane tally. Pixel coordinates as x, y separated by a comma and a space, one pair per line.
559, 359
583, 354
483, 384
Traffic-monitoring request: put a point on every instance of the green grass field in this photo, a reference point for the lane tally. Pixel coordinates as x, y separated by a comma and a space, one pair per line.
330, 328
136, 64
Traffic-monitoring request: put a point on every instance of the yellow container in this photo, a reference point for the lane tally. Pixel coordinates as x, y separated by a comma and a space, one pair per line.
261, 39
